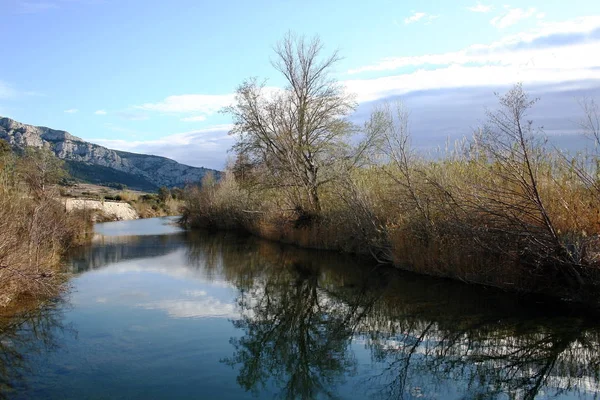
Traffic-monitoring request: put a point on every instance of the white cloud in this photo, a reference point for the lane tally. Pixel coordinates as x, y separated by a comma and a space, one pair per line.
217, 132
512, 16
550, 53
100, 112
202, 148
462, 76
198, 118
190, 103
480, 8
514, 50
71, 111
420, 16
414, 18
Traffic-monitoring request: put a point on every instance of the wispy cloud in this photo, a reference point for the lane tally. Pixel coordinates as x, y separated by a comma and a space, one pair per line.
520, 49
420, 16
100, 112
194, 304
480, 8
197, 118
513, 16
132, 116
71, 111
551, 53
202, 148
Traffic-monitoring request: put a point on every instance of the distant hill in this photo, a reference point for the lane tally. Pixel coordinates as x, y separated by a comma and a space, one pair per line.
97, 164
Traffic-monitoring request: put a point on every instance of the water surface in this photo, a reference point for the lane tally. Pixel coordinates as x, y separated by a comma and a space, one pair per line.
157, 312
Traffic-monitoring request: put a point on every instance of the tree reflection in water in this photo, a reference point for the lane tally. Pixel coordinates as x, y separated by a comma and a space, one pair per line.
300, 311
479, 352
25, 336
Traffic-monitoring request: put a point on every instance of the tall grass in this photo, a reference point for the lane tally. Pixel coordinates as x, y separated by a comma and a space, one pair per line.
503, 208
35, 230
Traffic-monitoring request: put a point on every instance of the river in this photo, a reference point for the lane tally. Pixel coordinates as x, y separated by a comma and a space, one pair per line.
154, 312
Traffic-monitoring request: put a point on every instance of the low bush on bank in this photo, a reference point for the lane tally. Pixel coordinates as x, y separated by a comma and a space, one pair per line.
35, 229
153, 205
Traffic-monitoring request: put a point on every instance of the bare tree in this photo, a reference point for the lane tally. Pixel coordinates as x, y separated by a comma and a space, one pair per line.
513, 201
298, 132
591, 119
395, 144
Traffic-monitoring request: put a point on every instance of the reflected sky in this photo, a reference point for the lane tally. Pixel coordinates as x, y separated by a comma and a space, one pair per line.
136, 227
191, 315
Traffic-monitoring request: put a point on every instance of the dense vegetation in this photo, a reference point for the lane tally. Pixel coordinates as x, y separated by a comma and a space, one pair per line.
165, 202
502, 208
35, 229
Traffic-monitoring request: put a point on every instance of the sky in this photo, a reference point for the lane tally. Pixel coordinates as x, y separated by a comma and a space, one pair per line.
150, 76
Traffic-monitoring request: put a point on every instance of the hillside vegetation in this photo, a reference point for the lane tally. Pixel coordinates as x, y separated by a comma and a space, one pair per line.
35, 229
502, 208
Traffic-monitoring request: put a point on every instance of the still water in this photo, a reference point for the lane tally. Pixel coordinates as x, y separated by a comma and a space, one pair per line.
154, 312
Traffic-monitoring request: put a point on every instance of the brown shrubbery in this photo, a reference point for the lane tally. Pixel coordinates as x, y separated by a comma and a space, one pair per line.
502, 209
35, 229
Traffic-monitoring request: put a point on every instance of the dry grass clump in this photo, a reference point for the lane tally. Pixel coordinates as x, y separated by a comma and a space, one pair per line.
217, 205
33, 236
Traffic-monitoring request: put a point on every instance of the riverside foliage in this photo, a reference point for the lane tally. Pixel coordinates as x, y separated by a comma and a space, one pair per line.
502, 208
35, 228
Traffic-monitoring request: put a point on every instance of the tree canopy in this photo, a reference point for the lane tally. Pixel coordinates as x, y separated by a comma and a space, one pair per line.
297, 133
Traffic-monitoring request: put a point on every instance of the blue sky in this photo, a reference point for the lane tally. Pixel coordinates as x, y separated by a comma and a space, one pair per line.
150, 76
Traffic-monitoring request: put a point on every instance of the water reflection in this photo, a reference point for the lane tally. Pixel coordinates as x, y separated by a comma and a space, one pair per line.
108, 250
301, 311
188, 314
24, 336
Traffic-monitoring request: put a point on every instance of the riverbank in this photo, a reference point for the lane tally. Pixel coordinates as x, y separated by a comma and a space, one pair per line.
502, 208
34, 235
120, 203
454, 218
103, 210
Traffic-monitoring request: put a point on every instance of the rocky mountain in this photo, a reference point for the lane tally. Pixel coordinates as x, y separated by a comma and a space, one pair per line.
97, 164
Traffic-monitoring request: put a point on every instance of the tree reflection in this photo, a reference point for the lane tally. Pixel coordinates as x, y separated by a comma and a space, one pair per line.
23, 337
300, 312
296, 334
472, 351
